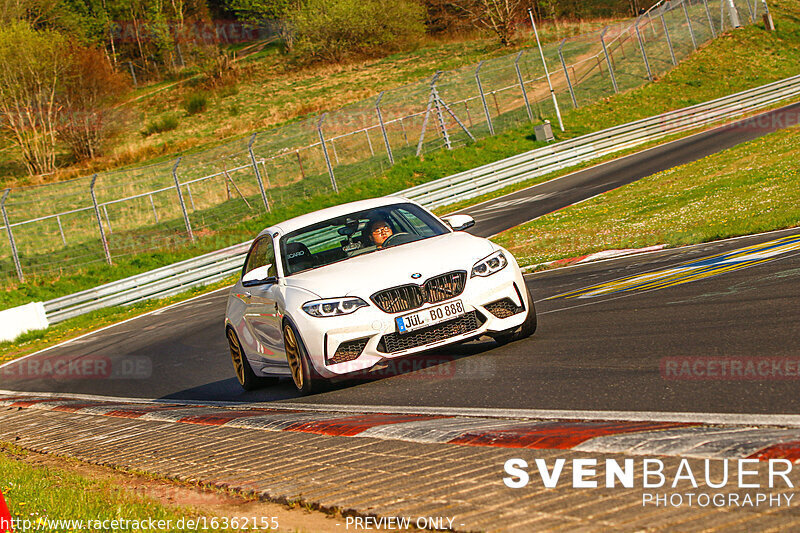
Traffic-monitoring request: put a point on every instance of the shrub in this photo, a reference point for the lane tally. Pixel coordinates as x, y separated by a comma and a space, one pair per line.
166, 123
333, 30
195, 103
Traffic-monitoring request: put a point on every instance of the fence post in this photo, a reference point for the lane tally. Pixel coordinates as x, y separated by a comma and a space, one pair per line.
710, 20
734, 14
325, 153
522, 85
258, 174
11, 241
546, 72
689, 23
99, 221
180, 199
608, 60
383, 128
566, 74
483, 98
669, 40
644, 53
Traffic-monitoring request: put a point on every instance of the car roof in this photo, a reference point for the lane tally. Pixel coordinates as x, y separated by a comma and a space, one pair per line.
288, 226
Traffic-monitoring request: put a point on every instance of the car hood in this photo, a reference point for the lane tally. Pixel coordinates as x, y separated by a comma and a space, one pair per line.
366, 274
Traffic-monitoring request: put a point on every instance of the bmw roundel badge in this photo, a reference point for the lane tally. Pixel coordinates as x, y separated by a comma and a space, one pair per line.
416, 275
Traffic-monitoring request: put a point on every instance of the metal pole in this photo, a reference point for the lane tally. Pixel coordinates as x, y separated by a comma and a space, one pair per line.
108, 220
369, 142
61, 230
133, 74
710, 20
522, 85
153, 205
483, 98
383, 129
325, 153
427, 114
608, 60
750, 10
669, 40
335, 152
439, 116
722, 15
258, 174
689, 23
566, 75
11, 241
99, 220
734, 14
546, 72
180, 199
644, 53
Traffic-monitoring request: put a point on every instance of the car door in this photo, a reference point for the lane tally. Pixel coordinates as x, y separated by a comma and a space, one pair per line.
264, 344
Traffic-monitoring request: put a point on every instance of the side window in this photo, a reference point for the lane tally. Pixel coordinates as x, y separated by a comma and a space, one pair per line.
262, 253
420, 227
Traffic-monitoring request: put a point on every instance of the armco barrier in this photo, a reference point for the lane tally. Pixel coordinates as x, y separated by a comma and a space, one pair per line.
217, 265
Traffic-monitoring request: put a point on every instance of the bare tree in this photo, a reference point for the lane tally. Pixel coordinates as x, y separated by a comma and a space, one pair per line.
495, 15
31, 67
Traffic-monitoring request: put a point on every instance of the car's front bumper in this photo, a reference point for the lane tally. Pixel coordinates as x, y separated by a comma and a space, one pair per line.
372, 334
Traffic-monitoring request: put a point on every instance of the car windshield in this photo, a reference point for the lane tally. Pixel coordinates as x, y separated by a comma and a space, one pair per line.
359, 233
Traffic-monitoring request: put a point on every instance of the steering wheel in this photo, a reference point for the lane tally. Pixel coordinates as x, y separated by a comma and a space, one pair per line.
398, 238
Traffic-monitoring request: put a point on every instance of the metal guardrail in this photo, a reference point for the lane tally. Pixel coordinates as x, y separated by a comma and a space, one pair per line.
158, 283
215, 266
541, 161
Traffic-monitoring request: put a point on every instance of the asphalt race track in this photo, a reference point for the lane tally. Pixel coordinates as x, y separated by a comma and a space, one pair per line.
634, 345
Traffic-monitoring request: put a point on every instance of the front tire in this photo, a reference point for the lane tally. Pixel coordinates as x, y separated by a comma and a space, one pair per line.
304, 376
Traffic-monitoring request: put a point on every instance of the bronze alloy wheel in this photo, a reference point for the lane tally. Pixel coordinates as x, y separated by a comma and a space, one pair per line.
236, 355
293, 356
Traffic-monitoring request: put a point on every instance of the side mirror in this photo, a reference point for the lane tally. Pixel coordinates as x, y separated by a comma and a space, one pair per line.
459, 222
259, 276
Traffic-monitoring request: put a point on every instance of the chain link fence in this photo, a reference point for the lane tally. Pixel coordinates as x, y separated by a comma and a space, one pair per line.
62, 227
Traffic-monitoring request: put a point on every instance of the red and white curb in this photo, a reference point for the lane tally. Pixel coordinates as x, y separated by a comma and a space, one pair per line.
630, 437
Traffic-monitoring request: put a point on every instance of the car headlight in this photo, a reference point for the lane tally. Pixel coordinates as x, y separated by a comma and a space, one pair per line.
489, 265
334, 306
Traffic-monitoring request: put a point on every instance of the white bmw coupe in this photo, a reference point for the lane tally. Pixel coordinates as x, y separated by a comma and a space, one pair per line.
343, 289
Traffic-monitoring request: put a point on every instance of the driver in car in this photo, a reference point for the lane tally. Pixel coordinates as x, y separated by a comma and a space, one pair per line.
379, 231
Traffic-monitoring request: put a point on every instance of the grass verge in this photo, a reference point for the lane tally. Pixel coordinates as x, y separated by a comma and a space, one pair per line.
747, 189
41, 495
39, 486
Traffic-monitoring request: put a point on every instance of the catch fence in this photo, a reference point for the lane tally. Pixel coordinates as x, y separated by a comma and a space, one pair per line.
206, 197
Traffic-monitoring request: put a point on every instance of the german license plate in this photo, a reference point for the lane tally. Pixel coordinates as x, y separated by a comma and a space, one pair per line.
430, 316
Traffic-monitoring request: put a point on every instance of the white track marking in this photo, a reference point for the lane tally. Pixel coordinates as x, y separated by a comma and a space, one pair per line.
730, 419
